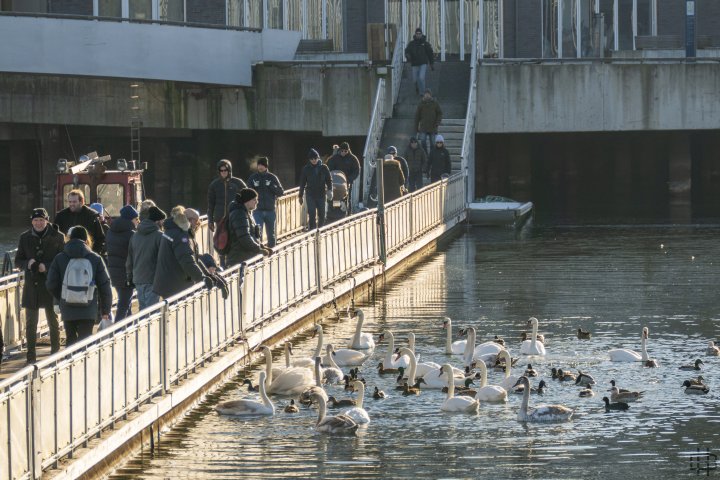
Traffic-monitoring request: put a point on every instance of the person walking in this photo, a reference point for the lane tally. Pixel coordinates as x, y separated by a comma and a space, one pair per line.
420, 54
244, 232
79, 281
403, 163
77, 213
221, 192
117, 245
315, 180
142, 255
417, 160
37, 248
269, 189
345, 161
428, 116
394, 180
439, 160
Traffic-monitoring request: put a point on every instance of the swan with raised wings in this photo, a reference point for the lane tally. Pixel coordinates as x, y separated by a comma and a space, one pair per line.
532, 346
249, 407
452, 348
334, 424
627, 355
540, 413
358, 413
489, 393
292, 381
361, 340
456, 404
389, 361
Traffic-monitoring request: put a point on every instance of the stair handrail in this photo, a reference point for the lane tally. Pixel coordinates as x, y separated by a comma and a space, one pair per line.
372, 142
397, 70
467, 153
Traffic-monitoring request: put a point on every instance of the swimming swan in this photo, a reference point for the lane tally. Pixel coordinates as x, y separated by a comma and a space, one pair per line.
532, 346
541, 413
344, 356
712, 349
317, 389
452, 348
358, 413
292, 381
453, 403
389, 362
335, 424
332, 373
309, 362
361, 341
249, 407
627, 355
489, 393
472, 353
510, 380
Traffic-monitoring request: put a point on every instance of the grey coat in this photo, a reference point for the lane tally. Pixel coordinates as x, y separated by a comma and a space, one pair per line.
176, 268
222, 192
143, 253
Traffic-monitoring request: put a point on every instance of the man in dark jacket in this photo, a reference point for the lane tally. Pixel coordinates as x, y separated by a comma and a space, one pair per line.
345, 161
439, 160
79, 319
416, 159
36, 250
221, 192
142, 256
77, 213
393, 179
244, 233
419, 53
117, 246
428, 116
403, 163
315, 180
269, 189
176, 268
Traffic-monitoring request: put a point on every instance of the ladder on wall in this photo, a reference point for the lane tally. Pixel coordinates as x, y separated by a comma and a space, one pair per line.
135, 122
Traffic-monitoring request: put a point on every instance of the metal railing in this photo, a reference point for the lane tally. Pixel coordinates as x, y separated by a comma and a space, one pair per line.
372, 142
467, 153
49, 411
397, 71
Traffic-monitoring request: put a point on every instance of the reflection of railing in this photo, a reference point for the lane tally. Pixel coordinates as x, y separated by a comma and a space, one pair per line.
372, 142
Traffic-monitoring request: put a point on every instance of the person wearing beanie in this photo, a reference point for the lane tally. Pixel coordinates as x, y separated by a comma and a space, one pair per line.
244, 232
403, 163
417, 161
420, 54
142, 255
439, 160
117, 245
79, 319
221, 192
269, 189
36, 249
428, 116
77, 213
346, 162
144, 208
98, 207
315, 182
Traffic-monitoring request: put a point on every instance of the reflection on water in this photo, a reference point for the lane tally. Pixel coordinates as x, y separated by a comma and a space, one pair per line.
610, 280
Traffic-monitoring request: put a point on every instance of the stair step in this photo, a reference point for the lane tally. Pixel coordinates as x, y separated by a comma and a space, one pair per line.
454, 121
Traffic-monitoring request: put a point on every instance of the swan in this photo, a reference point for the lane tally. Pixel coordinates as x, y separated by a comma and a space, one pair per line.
472, 353
488, 348
453, 403
317, 389
627, 355
434, 378
452, 348
389, 362
617, 396
532, 346
510, 380
292, 381
335, 424
309, 362
288, 353
489, 393
361, 341
541, 413
358, 413
712, 349
332, 374
344, 356
249, 407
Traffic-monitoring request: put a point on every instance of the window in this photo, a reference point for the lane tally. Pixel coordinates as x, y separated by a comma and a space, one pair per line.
172, 10
109, 8
141, 9
112, 197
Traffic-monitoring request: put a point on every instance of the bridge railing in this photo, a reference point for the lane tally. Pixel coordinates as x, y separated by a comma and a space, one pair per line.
372, 141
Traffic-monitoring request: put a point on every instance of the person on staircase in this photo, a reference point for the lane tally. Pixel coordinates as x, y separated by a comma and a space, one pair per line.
439, 160
417, 161
428, 117
420, 54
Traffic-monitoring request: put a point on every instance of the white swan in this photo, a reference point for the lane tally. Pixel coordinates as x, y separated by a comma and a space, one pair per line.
361, 341
532, 346
389, 361
489, 393
452, 348
317, 389
627, 355
541, 413
332, 373
309, 362
434, 378
484, 355
712, 349
358, 413
288, 353
344, 357
249, 407
290, 382
335, 424
452, 403
510, 380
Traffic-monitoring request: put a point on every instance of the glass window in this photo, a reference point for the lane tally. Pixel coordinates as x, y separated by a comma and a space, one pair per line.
84, 187
172, 10
141, 9
112, 196
109, 8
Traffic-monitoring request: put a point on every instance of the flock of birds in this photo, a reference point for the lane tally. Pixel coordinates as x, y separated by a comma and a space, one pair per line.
305, 379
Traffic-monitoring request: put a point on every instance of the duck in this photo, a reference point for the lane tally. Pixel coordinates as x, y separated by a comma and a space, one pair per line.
358, 413
695, 366
583, 335
332, 373
361, 340
414, 389
460, 404
251, 387
354, 375
700, 380
618, 396
695, 389
620, 406
510, 380
384, 371
627, 355
565, 376
335, 424
489, 393
390, 362
540, 389
530, 371
466, 390
584, 380
712, 349
452, 348
332, 402
290, 382
499, 364
317, 389
621, 390
291, 408
541, 413
587, 392
249, 407
533, 346
378, 394
348, 386
498, 340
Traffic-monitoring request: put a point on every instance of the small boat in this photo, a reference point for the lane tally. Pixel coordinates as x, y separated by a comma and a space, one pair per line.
499, 211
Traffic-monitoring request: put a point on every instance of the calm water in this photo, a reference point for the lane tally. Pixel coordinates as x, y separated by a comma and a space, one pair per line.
611, 280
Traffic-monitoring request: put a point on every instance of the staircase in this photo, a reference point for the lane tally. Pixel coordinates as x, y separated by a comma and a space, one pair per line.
449, 83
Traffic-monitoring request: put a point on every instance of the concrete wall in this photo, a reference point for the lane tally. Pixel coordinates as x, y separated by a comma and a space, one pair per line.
597, 96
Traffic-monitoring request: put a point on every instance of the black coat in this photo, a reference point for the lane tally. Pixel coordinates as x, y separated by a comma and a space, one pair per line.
438, 163
65, 219
116, 244
268, 187
43, 247
419, 52
220, 194
143, 253
393, 180
316, 180
244, 235
176, 268
349, 165
416, 159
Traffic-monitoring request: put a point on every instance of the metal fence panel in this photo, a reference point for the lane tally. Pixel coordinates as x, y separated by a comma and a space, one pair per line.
15, 428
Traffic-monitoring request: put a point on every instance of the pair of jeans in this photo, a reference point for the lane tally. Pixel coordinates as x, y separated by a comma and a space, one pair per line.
415, 181
266, 218
427, 140
76, 330
145, 295
31, 323
315, 206
418, 73
124, 299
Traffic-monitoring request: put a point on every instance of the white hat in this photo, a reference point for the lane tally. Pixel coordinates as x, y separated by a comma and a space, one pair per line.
439, 138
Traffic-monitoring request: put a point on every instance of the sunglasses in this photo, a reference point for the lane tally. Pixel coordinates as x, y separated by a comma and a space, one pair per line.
223, 170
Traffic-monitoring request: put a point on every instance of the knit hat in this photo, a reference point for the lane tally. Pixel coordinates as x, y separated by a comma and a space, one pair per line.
344, 146
98, 207
245, 195
439, 138
313, 154
78, 232
418, 30
392, 150
263, 161
413, 140
128, 212
39, 213
155, 214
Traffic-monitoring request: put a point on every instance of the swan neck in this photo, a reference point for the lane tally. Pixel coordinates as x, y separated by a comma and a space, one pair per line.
525, 399
470, 346
263, 395
360, 395
483, 374
358, 331
643, 348
451, 383
534, 333
390, 350
331, 360
413, 364
318, 382
448, 339
508, 363
268, 366
321, 409
287, 356
318, 348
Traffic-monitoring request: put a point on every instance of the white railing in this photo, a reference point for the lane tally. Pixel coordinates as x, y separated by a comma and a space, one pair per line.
397, 70
467, 153
49, 411
372, 142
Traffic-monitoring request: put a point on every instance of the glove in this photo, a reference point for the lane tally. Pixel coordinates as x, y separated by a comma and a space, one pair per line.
329, 195
267, 251
208, 283
211, 225
222, 285
300, 200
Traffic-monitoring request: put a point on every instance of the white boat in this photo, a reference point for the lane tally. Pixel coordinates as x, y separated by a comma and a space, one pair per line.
502, 211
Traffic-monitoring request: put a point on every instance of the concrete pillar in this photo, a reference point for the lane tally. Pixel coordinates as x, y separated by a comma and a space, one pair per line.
282, 162
24, 180
680, 178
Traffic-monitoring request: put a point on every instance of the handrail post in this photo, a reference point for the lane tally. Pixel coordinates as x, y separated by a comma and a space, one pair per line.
163, 348
381, 211
318, 262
